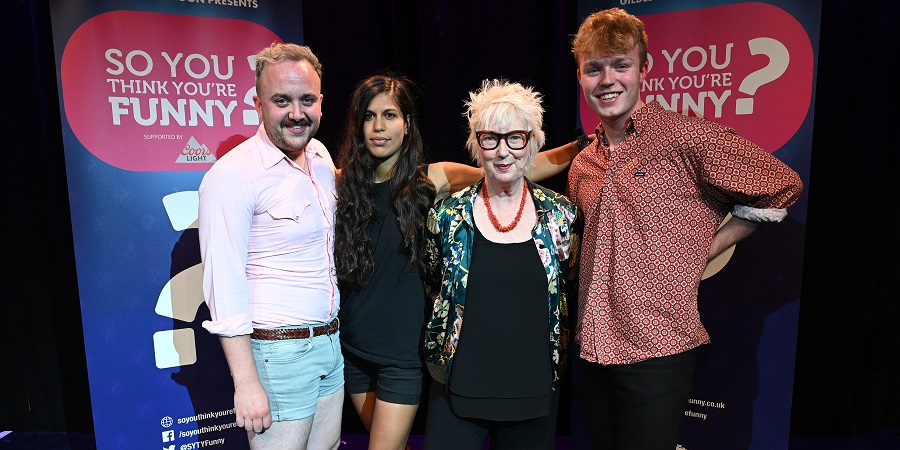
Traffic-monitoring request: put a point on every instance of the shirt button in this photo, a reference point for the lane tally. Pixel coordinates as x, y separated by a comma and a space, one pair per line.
297, 218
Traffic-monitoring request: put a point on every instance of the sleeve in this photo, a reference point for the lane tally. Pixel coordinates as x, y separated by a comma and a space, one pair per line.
569, 269
225, 215
433, 252
742, 174
436, 323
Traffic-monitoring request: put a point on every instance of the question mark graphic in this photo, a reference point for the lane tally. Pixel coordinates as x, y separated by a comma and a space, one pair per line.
251, 117
779, 57
183, 294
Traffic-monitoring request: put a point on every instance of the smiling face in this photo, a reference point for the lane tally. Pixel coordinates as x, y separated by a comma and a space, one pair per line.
612, 85
502, 165
289, 102
384, 128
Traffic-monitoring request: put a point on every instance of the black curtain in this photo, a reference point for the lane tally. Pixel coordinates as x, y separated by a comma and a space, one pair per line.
448, 48
847, 380
848, 361
43, 379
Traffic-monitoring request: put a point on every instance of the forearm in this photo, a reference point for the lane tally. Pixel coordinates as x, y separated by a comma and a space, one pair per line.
239, 355
730, 233
251, 403
449, 177
551, 162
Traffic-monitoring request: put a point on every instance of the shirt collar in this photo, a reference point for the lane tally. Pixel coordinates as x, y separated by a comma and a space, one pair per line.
272, 155
645, 117
636, 124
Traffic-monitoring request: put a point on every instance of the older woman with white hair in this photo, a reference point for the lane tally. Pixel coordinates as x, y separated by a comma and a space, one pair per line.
499, 252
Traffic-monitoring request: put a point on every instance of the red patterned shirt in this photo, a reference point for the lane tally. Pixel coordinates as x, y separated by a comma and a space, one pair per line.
651, 208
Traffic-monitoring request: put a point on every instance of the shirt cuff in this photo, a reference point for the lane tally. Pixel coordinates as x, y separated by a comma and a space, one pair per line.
230, 327
759, 214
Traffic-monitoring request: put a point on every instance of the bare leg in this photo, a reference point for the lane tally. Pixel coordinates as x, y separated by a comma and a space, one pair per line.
388, 423
364, 404
326, 426
288, 435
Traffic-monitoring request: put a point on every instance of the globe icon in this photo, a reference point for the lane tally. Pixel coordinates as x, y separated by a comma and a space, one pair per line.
166, 422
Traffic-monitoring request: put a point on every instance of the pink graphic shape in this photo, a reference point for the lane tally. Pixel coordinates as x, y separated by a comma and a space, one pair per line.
747, 65
155, 92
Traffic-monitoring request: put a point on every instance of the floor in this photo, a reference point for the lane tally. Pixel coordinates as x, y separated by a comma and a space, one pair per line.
79, 441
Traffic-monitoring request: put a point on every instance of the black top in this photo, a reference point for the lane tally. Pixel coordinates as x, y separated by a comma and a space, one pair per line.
501, 369
383, 321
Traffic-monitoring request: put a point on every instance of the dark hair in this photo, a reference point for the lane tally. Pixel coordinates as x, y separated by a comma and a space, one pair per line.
412, 193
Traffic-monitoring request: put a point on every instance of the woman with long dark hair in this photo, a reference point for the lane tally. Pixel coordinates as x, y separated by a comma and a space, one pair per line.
384, 193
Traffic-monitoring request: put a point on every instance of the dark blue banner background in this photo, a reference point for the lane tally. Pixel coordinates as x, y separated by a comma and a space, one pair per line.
157, 378
743, 384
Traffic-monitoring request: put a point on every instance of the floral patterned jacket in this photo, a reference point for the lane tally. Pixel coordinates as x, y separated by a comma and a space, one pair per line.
449, 236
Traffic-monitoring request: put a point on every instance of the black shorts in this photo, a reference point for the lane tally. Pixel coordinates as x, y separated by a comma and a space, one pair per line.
392, 384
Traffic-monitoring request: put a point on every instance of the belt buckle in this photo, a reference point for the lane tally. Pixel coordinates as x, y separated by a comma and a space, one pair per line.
330, 328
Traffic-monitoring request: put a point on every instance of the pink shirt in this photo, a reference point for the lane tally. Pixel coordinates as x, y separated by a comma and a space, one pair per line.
266, 238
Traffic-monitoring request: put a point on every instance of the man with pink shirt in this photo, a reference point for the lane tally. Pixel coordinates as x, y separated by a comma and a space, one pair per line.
266, 240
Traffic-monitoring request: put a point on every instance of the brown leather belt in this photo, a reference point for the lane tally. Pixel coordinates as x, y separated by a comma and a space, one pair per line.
277, 334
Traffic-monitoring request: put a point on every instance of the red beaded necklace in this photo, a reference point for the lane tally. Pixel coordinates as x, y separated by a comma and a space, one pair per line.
493, 218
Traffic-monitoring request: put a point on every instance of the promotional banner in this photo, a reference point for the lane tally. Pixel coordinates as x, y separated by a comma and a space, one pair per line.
750, 66
152, 93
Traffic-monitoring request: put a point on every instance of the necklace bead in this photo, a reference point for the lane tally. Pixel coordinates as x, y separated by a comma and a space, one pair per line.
493, 218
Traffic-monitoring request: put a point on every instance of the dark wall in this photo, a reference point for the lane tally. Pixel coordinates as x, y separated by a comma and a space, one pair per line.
848, 363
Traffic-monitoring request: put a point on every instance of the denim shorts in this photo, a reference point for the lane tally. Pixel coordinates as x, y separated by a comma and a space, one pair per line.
296, 372
399, 385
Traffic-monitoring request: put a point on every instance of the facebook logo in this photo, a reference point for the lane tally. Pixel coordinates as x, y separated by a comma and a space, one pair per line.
168, 436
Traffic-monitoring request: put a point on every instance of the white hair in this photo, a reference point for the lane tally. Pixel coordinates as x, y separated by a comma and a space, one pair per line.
497, 105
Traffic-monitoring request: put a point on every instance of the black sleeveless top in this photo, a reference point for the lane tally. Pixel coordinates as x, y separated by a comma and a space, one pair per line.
383, 321
501, 369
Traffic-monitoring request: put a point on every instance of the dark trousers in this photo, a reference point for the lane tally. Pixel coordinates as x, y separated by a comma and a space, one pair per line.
444, 430
636, 406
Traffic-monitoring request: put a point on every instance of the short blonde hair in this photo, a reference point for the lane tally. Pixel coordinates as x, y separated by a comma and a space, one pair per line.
611, 32
499, 103
277, 52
